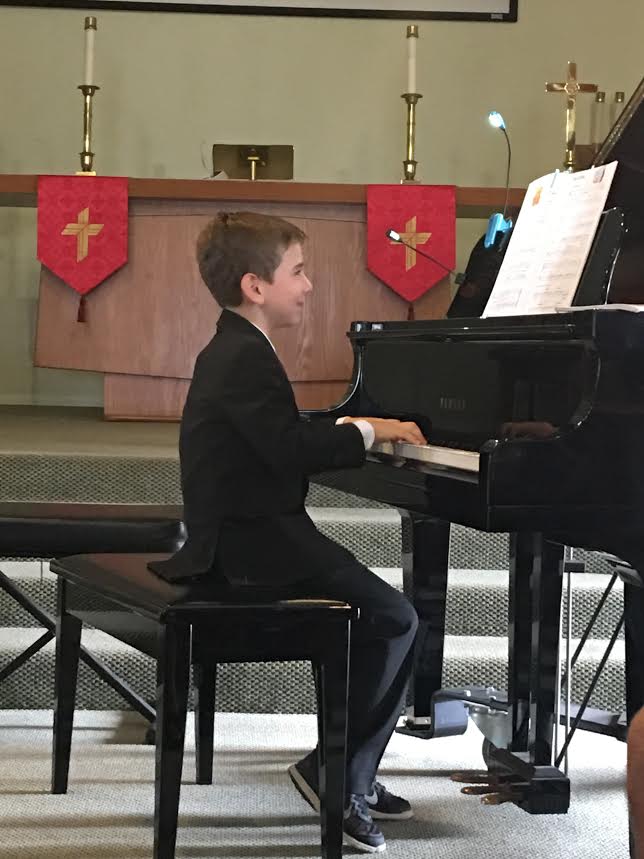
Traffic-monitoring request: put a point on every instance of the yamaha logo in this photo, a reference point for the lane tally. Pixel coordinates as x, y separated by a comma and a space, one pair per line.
453, 404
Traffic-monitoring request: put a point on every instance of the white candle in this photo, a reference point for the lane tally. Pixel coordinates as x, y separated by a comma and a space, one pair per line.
412, 38
90, 34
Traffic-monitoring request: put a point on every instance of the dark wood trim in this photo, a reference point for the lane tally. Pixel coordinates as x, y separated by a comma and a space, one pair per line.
21, 189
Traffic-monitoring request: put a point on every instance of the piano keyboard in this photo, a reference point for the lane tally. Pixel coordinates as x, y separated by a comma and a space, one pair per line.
443, 457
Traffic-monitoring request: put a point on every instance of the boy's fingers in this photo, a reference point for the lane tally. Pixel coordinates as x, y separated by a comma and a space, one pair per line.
412, 437
398, 431
413, 434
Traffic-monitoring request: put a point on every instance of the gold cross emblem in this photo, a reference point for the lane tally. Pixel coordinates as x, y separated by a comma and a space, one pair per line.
412, 238
83, 230
572, 88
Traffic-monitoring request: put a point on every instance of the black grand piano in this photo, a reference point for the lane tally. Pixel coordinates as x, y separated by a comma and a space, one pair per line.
535, 427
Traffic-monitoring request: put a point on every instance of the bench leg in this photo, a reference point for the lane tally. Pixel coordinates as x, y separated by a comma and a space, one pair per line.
205, 684
68, 635
173, 674
332, 677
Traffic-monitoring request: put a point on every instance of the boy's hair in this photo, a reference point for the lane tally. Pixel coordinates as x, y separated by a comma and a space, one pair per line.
237, 243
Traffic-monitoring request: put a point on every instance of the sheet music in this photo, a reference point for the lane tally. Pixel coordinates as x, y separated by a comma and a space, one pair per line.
550, 243
631, 308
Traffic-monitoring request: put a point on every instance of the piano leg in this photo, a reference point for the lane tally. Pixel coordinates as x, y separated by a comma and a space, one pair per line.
520, 766
425, 570
519, 744
533, 644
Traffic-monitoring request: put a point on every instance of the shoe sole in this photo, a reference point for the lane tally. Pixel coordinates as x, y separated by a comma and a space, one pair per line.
380, 815
311, 798
304, 788
360, 845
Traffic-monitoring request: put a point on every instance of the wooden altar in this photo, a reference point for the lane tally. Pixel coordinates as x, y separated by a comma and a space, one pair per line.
146, 323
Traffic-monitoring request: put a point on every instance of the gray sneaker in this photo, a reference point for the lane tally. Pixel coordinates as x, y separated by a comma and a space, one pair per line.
359, 829
383, 805
304, 775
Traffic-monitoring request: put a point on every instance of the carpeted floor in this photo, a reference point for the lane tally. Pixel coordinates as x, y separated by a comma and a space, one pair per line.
251, 810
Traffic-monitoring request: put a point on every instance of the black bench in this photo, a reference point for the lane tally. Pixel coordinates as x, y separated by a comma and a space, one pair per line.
176, 625
51, 530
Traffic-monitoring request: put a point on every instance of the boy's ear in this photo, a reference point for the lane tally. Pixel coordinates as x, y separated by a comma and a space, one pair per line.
251, 288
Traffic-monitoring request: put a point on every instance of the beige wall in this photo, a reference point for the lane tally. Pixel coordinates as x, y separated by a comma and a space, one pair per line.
172, 84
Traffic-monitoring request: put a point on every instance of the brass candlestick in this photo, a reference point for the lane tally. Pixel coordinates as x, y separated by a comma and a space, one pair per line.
87, 156
410, 164
253, 160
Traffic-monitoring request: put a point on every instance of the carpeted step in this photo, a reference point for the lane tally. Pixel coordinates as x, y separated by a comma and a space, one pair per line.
476, 599
143, 469
373, 535
274, 687
471, 549
477, 604
139, 478
135, 477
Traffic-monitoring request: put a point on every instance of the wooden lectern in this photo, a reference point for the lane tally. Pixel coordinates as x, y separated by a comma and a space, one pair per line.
146, 323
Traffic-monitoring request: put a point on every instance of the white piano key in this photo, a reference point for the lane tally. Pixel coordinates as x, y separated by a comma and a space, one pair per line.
446, 457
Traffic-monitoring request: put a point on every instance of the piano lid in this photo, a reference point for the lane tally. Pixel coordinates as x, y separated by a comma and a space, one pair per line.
625, 144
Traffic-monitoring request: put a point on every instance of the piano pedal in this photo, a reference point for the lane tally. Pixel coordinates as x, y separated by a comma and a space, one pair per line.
473, 776
491, 788
501, 797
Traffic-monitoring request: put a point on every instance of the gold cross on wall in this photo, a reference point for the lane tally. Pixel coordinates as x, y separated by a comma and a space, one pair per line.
83, 230
572, 88
412, 238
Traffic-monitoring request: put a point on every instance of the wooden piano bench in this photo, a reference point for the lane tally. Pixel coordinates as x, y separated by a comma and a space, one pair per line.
40, 530
118, 594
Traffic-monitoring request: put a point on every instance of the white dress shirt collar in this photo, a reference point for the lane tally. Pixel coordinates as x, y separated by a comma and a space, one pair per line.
264, 333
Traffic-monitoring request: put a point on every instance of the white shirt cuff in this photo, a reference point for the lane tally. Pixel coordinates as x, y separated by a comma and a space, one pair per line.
368, 432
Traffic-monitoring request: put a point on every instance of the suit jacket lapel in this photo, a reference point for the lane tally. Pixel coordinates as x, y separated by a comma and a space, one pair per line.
233, 324
230, 321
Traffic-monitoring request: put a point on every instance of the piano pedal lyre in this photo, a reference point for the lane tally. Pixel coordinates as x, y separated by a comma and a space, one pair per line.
491, 788
473, 776
501, 797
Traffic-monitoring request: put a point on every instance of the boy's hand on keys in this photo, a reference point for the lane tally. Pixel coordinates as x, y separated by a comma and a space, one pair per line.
387, 429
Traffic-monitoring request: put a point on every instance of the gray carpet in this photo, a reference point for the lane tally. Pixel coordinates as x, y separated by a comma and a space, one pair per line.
252, 811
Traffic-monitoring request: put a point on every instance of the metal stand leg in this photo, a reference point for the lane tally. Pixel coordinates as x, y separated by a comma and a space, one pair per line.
568, 570
119, 685
571, 566
591, 689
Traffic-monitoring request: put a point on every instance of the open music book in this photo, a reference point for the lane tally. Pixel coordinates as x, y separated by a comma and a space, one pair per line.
632, 308
550, 243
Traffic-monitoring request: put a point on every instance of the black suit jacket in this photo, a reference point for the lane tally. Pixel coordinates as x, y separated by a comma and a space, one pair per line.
246, 454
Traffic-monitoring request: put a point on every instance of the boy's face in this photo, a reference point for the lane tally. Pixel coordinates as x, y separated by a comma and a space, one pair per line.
284, 298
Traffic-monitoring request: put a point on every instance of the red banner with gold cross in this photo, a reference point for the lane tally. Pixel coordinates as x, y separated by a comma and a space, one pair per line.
424, 216
82, 228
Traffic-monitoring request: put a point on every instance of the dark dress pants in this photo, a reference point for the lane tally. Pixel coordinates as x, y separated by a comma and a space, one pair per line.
381, 656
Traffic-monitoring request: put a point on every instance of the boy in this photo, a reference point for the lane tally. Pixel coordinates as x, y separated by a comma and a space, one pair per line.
245, 458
